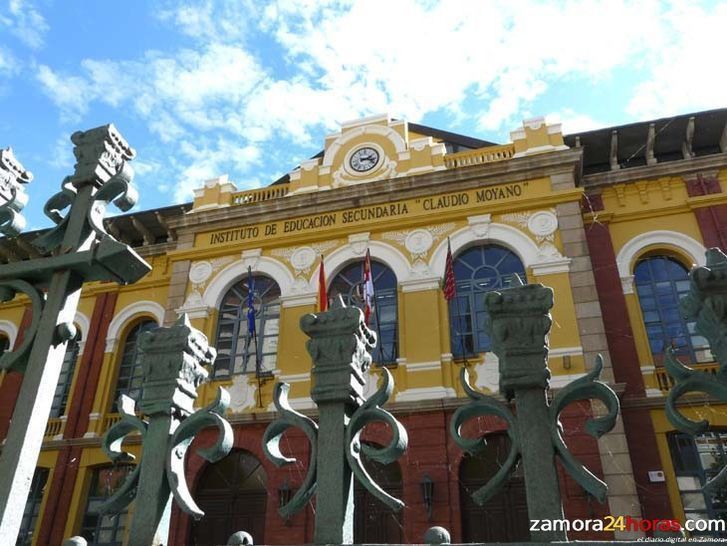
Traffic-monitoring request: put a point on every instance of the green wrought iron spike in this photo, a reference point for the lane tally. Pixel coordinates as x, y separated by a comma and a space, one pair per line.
519, 326
13, 198
706, 304
339, 345
172, 360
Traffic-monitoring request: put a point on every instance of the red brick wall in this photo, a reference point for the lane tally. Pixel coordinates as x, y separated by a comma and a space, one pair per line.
10, 388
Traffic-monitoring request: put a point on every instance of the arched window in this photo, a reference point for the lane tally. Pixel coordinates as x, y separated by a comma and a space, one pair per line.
383, 320
63, 388
104, 530
130, 371
237, 351
660, 283
233, 495
477, 271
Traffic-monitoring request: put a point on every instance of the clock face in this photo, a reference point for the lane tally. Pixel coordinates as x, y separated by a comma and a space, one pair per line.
364, 159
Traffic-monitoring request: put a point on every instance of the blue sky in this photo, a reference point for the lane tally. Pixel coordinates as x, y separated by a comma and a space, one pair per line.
248, 89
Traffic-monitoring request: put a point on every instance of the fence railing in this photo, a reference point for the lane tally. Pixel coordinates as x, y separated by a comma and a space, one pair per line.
110, 420
480, 156
263, 194
666, 382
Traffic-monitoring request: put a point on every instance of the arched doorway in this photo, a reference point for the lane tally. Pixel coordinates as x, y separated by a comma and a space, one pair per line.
374, 522
232, 493
504, 518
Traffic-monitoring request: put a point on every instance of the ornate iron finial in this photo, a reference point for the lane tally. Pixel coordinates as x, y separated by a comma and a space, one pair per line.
81, 251
339, 344
172, 360
706, 303
13, 198
519, 326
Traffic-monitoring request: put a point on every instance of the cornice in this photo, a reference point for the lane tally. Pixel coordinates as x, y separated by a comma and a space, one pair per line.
670, 168
383, 191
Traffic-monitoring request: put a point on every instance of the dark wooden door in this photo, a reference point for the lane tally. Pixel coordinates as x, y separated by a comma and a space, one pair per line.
233, 495
504, 518
374, 522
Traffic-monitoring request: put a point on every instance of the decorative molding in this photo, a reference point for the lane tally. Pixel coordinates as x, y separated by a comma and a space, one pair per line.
345, 137
565, 351
626, 257
627, 284
418, 242
302, 259
434, 365
426, 393
221, 283
543, 260
250, 258
380, 251
243, 393
295, 378
480, 224
420, 285
488, 373
131, 311
560, 381
297, 300
359, 242
654, 393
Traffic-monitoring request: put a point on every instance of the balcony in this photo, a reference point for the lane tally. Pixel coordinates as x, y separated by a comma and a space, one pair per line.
249, 197
665, 381
491, 154
53, 428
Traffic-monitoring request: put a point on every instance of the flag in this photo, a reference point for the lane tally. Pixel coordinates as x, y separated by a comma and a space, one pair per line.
368, 287
250, 305
322, 294
449, 287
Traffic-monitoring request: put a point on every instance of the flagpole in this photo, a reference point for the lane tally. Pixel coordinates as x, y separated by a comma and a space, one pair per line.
449, 275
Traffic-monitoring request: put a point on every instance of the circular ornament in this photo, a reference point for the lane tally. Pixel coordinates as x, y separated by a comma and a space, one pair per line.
303, 257
418, 241
200, 272
543, 223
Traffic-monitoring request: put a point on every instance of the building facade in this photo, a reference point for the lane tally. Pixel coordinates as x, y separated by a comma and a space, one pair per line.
612, 220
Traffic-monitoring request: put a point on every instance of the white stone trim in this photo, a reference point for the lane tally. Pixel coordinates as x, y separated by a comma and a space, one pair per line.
425, 393
646, 368
295, 378
380, 251
561, 380
419, 285
220, 284
661, 237
148, 308
424, 366
302, 403
84, 325
565, 351
8, 328
627, 284
561, 265
351, 134
297, 300
654, 393
514, 239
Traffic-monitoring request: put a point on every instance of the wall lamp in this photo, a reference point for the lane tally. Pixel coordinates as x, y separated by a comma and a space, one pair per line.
428, 494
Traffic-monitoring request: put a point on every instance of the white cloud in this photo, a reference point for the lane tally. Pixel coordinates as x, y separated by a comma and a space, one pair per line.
215, 105
8, 63
687, 75
574, 122
25, 22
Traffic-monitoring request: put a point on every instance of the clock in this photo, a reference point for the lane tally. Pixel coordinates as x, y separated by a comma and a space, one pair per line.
364, 159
